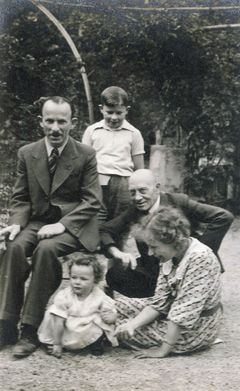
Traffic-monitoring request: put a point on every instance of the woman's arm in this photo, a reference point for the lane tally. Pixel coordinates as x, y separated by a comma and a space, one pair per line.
146, 316
172, 334
167, 344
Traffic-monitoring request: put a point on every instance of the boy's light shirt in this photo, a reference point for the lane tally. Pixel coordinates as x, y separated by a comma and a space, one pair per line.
104, 179
125, 126
114, 148
50, 148
115, 129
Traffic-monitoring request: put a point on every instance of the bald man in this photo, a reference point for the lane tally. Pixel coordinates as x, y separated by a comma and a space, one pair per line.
137, 277
53, 213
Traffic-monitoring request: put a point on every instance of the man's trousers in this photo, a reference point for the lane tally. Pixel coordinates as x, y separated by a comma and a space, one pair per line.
140, 282
45, 268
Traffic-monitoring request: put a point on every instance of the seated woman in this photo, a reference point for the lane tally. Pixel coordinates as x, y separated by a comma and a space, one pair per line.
185, 312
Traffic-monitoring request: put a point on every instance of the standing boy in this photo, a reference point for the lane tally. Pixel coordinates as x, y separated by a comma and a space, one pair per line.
119, 150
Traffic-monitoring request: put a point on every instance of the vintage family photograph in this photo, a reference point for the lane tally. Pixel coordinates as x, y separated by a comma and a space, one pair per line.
119, 195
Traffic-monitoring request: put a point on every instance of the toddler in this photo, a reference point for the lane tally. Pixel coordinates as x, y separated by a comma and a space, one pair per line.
81, 313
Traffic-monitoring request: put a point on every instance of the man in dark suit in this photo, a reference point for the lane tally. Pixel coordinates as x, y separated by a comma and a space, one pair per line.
137, 277
53, 213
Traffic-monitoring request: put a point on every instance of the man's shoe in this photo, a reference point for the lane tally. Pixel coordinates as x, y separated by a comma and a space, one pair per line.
8, 333
27, 344
24, 348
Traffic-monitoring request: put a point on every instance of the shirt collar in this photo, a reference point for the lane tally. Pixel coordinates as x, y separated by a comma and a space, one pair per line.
155, 206
125, 126
50, 147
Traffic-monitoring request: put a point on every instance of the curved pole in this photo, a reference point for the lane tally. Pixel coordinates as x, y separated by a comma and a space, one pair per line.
76, 55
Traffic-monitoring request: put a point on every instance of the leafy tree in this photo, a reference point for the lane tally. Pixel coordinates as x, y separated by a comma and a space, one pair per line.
181, 79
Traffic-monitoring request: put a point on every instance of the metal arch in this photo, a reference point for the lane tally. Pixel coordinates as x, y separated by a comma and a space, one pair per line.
75, 53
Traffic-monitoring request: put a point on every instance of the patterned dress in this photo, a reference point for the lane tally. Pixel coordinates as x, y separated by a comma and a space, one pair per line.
188, 294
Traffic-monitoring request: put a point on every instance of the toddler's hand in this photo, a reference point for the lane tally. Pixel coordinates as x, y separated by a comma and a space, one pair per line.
108, 315
57, 351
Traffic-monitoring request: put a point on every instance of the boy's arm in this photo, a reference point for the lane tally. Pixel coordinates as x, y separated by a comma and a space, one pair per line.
87, 137
138, 161
137, 150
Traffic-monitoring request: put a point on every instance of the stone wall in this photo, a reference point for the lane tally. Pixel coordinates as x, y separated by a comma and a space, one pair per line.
168, 165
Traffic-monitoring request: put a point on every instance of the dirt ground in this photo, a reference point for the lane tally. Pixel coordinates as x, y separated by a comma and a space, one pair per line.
216, 369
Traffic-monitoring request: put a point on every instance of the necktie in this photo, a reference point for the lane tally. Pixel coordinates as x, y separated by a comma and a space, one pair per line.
52, 161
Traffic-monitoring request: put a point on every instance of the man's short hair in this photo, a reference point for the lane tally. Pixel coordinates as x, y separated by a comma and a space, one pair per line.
56, 99
114, 96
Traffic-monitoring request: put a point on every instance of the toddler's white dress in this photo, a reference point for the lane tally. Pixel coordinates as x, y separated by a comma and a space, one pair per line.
83, 322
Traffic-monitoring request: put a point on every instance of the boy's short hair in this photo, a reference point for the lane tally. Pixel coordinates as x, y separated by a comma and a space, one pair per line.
114, 96
83, 259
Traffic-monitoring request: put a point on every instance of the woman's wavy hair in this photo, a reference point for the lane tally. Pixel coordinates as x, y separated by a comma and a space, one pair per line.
82, 259
168, 225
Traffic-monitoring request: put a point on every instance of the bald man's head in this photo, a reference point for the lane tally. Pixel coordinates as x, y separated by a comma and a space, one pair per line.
144, 189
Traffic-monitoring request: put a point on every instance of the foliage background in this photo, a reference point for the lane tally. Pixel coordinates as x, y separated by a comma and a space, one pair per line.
182, 79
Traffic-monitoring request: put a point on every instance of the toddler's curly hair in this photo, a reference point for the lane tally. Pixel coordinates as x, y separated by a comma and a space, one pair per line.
83, 259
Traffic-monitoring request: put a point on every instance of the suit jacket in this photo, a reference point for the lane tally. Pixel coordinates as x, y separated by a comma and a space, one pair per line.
75, 189
216, 220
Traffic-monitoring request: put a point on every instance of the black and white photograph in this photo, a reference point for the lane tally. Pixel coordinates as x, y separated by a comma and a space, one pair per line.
119, 195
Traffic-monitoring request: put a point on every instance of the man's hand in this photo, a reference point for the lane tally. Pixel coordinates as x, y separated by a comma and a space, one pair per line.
126, 258
125, 331
47, 231
12, 230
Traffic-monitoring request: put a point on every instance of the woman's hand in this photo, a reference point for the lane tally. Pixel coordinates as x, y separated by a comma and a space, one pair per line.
57, 351
125, 331
154, 352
